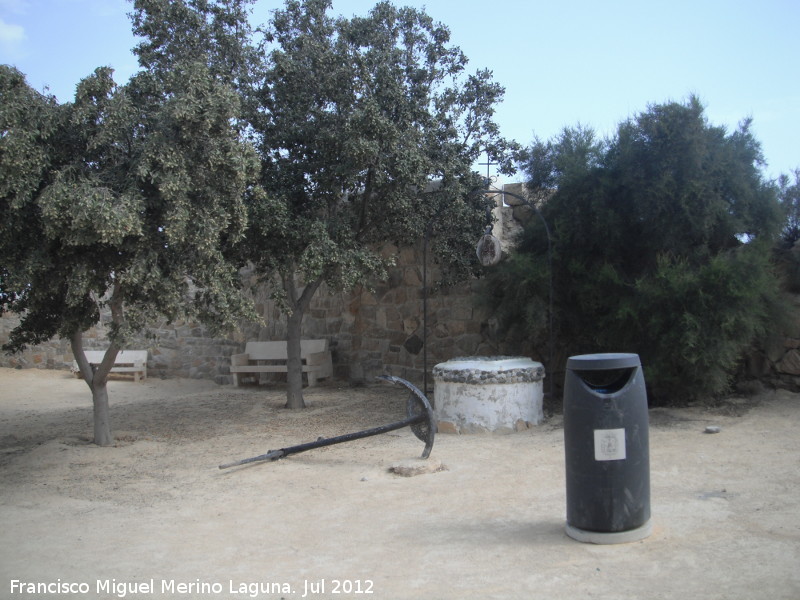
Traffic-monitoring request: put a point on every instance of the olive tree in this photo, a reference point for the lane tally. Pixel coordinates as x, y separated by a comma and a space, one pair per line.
126, 200
367, 130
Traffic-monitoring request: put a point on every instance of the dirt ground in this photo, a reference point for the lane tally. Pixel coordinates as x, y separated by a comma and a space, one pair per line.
154, 517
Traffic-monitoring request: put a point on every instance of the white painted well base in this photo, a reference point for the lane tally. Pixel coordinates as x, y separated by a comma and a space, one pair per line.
502, 394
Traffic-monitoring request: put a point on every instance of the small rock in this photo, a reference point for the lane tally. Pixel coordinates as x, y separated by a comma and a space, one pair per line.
417, 466
446, 427
712, 429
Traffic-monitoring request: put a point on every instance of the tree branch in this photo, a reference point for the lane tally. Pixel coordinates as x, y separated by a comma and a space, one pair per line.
308, 293
118, 318
362, 218
76, 342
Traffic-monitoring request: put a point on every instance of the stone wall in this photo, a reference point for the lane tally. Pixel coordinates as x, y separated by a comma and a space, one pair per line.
776, 362
383, 330
55, 354
370, 332
175, 350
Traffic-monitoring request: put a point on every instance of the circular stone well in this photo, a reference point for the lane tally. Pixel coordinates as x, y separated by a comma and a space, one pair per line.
497, 394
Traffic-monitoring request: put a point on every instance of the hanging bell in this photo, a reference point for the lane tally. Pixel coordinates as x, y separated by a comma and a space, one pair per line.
489, 250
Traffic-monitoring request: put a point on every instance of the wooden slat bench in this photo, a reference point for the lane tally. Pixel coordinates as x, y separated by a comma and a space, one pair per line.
271, 357
127, 361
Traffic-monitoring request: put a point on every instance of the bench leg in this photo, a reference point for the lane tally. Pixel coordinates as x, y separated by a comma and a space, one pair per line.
235, 379
312, 379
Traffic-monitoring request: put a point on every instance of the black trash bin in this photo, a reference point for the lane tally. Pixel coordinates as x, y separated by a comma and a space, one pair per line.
606, 445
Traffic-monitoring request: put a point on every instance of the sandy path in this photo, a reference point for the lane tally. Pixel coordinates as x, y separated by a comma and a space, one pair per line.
157, 509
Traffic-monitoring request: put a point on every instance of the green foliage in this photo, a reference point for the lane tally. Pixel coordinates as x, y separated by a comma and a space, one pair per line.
213, 32
126, 198
789, 196
698, 319
662, 246
788, 251
354, 121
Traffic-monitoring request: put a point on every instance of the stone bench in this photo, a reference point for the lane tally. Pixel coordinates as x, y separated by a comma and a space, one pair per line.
127, 361
271, 357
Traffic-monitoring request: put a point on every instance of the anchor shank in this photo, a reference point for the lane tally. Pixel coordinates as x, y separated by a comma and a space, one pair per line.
349, 437
271, 455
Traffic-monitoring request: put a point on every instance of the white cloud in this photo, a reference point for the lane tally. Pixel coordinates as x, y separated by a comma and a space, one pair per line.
11, 35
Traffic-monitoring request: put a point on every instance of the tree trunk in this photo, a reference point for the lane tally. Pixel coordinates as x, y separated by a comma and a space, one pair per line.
97, 380
294, 364
299, 302
102, 421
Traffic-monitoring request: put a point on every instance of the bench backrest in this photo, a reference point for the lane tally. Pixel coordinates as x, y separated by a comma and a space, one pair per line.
277, 350
134, 357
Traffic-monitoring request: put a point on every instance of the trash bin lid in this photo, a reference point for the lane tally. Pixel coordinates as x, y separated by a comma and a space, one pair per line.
602, 362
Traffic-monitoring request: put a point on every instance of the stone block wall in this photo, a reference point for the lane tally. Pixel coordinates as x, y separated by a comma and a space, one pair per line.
383, 330
55, 354
370, 332
380, 329
777, 361
174, 350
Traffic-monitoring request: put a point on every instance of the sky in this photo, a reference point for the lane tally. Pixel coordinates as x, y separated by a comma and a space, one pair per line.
562, 62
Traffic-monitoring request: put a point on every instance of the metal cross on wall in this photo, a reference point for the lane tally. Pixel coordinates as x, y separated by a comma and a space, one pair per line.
488, 164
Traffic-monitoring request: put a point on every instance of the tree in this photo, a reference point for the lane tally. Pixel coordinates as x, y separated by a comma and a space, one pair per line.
787, 250
126, 199
789, 196
215, 32
367, 129
662, 245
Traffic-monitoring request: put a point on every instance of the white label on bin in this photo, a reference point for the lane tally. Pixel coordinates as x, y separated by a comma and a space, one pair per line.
609, 444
